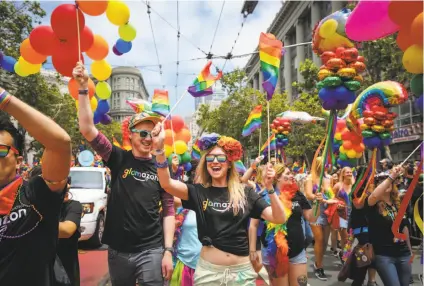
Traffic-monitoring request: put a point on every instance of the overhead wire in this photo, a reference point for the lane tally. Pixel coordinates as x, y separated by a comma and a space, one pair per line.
230, 54
216, 28
178, 49
154, 42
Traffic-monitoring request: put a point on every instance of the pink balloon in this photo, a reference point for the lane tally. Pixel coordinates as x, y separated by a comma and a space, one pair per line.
370, 21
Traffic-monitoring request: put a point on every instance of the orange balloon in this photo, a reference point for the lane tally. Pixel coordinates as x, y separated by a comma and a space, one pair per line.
359, 148
168, 137
99, 49
403, 39
417, 30
93, 8
183, 135
404, 12
73, 88
347, 145
29, 54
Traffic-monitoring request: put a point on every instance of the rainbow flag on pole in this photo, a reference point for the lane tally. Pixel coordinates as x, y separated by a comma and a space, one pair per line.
270, 142
253, 122
241, 169
270, 50
195, 152
202, 85
160, 102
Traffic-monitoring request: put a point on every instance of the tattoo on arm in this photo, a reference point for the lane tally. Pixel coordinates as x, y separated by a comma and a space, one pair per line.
302, 280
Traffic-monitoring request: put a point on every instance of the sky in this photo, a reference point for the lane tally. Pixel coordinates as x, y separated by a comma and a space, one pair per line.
198, 21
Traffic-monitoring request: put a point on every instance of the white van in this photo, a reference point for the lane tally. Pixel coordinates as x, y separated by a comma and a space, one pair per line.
88, 186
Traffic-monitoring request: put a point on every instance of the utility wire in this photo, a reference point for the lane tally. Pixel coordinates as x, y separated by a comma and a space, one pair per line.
169, 24
230, 54
154, 42
178, 50
216, 28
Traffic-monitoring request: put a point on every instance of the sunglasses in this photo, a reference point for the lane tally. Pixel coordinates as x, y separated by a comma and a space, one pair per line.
220, 158
4, 150
143, 133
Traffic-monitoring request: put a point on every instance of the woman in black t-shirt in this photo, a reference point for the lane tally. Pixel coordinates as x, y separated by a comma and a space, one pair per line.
283, 253
223, 207
391, 254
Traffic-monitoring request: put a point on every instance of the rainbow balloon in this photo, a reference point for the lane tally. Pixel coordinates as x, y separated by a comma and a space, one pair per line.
160, 102
202, 85
270, 50
253, 122
388, 92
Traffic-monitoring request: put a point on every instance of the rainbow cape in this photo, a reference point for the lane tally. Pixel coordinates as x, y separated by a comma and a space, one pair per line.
253, 122
270, 50
270, 142
241, 169
160, 102
202, 85
195, 152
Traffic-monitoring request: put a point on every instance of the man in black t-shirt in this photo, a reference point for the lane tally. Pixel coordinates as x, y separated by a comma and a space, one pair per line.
29, 211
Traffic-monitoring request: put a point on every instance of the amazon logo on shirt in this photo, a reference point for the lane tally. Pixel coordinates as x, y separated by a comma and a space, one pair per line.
139, 176
216, 206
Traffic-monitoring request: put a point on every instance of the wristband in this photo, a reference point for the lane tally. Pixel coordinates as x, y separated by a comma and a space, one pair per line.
4, 99
391, 178
158, 152
253, 166
162, 165
170, 249
270, 192
83, 91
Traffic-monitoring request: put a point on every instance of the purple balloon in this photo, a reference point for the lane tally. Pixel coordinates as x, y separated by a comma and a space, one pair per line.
340, 105
280, 144
419, 103
106, 119
116, 52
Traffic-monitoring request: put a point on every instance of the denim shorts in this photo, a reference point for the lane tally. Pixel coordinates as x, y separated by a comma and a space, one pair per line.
343, 223
299, 259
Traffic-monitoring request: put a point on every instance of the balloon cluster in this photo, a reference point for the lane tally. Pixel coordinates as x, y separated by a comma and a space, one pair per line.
348, 143
339, 77
281, 127
176, 139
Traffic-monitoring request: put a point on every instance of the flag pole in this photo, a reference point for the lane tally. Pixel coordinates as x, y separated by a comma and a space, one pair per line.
260, 139
176, 104
269, 147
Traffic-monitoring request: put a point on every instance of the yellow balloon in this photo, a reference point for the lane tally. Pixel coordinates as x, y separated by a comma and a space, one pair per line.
117, 13
101, 70
338, 136
328, 28
93, 104
180, 147
358, 155
168, 150
351, 154
413, 59
18, 70
342, 149
127, 32
103, 90
27, 67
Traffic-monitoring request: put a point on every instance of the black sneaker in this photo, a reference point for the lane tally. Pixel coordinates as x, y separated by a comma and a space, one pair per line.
335, 253
319, 273
340, 255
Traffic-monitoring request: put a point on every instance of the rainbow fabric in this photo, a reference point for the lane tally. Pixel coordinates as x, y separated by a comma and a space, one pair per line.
202, 85
253, 122
270, 50
160, 102
139, 105
241, 169
195, 153
270, 142
303, 169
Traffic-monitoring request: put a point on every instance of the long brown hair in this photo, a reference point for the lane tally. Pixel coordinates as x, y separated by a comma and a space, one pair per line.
237, 197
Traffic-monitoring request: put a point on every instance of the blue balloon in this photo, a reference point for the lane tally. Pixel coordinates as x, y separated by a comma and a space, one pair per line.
103, 107
1, 58
8, 63
97, 117
187, 167
106, 119
123, 46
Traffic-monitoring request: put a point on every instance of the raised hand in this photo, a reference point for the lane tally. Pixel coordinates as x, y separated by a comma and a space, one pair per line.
80, 74
158, 137
269, 176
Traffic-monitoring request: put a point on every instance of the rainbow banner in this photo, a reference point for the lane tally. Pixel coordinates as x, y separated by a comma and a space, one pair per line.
202, 85
195, 152
270, 142
270, 50
253, 122
160, 102
241, 169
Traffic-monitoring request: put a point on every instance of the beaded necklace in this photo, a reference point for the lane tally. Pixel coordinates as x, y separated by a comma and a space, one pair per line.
21, 206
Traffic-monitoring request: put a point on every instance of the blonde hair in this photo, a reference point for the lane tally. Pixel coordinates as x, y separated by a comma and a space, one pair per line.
342, 175
316, 169
237, 197
259, 174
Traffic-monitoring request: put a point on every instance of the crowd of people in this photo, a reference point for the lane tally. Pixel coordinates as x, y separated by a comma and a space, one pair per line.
215, 227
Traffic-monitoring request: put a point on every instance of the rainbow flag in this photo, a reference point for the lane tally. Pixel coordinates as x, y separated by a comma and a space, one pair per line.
270, 142
195, 152
202, 85
139, 105
160, 102
253, 122
241, 169
270, 50
115, 142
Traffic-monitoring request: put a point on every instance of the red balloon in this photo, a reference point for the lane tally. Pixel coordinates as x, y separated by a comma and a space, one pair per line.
346, 135
326, 56
272, 126
43, 40
86, 39
276, 122
177, 123
339, 52
368, 113
64, 21
369, 121
167, 124
65, 58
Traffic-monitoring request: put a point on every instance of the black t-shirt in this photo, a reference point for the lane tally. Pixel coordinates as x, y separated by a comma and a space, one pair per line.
133, 220
358, 218
29, 259
295, 236
216, 223
380, 231
67, 248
